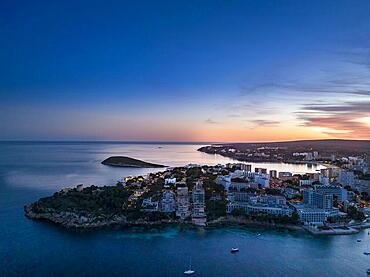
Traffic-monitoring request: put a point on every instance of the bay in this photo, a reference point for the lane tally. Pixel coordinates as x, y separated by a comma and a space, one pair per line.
30, 170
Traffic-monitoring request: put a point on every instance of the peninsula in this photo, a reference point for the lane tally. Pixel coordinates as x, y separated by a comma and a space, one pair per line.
122, 161
328, 202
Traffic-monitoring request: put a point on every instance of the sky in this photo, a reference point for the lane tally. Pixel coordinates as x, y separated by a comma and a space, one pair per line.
215, 71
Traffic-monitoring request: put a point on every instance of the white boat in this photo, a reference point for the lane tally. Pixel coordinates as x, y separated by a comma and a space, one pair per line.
189, 271
234, 250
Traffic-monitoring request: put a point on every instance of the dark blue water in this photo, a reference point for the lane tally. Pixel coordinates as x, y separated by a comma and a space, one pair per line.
28, 248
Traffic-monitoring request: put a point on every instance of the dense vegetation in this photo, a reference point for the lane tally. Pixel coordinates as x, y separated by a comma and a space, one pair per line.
95, 200
128, 162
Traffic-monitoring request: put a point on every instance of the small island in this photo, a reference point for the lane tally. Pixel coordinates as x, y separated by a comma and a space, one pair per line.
122, 161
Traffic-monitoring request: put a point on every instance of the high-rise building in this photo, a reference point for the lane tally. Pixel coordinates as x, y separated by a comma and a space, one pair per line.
317, 199
340, 193
182, 202
168, 202
198, 212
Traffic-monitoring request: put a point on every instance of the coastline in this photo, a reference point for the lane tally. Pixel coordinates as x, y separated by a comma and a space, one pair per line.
253, 160
74, 221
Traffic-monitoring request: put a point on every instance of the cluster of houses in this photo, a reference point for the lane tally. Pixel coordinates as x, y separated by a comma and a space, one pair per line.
319, 192
180, 201
314, 197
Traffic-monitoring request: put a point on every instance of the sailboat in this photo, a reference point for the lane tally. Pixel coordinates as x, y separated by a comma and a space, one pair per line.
234, 250
189, 271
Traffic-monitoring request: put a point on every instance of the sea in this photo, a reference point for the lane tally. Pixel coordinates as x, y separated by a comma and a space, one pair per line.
30, 170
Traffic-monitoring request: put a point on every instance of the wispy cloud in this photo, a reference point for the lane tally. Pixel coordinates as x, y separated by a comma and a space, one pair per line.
210, 121
263, 122
335, 101
345, 120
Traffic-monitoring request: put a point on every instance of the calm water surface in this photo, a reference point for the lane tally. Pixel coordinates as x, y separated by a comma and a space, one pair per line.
28, 248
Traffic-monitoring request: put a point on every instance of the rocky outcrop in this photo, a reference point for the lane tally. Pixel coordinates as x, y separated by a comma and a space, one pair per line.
88, 221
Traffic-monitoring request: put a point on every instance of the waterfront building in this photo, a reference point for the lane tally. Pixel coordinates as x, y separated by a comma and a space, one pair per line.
80, 187
317, 216
251, 203
149, 206
198, 212
340, 193
168, 202
314, 199
182, 203
309, 215
317, 205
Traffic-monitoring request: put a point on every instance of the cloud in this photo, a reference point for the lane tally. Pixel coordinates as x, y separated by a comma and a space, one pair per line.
348, 119
263, 122
348, 75
334, 99
210, 121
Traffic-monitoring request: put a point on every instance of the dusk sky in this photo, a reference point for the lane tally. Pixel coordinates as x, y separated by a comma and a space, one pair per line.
184, 70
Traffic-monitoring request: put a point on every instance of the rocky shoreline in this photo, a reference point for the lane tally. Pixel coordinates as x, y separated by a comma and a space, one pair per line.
72, 220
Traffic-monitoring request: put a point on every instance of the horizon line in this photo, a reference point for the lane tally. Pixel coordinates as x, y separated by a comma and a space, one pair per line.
170, 142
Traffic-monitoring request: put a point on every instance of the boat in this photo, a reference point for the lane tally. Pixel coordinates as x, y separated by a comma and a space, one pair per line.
366, 253
368, 271
358, 240
258, 234
189, 271
234, 250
